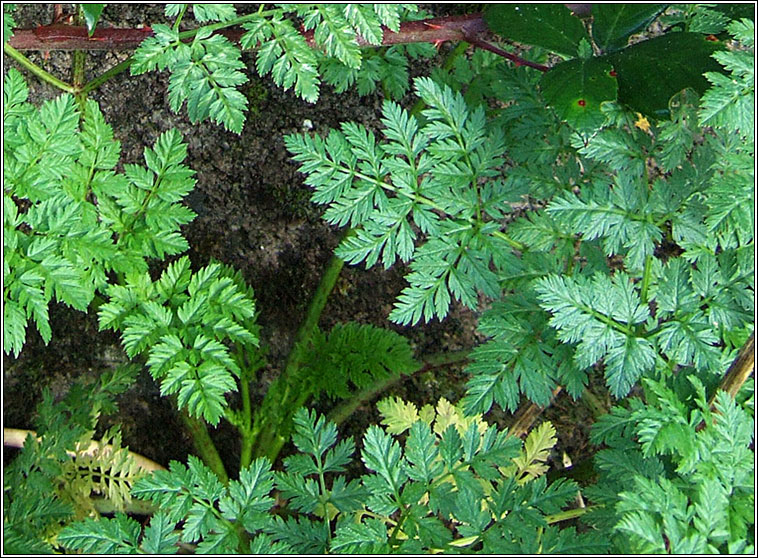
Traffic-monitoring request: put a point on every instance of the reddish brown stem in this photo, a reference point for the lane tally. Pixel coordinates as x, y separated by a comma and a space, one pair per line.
477, 42
437, 30
68, 37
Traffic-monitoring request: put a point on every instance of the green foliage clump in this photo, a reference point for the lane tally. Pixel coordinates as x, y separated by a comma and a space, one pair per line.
677, 476
207, 72
192, 494
181, 323
54, 478
633, 270
68, 218
421, 179
454, 484
204, 74
600, 218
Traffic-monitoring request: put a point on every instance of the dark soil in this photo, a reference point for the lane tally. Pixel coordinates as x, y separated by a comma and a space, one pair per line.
253, 212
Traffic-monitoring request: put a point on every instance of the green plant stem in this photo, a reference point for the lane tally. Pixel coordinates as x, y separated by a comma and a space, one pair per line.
80, 57
512, 243
204, 445
37, 71
190, 33
178, 19
567, 514
341, 412
647, 275
105, 76
79, 64
271, 423
246, 455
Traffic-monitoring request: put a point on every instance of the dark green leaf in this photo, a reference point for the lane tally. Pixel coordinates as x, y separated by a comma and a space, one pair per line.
551, 26
613, 24
651, 72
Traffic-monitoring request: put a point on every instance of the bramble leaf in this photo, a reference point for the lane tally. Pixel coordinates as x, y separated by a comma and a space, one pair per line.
647, 80
576, 89
551, 26
613, 24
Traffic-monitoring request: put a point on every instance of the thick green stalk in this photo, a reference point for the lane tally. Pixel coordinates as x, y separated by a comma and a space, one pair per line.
246, 455
204, 445
271, 423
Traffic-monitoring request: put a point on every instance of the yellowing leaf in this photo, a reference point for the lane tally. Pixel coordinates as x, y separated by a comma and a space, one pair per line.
426, 414
447, 414
531, 463
397, 415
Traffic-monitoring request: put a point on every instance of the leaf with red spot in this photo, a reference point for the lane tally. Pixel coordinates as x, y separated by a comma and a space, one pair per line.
576, 89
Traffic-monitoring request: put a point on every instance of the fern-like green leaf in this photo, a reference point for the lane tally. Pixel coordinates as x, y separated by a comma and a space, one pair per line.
81, 218
354, 356
191, 493
283, 53
368, 536
159, 536
730, 100
417, 173
182, 321
119, 535
597, 315
333, 32
206, 75
214, 12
